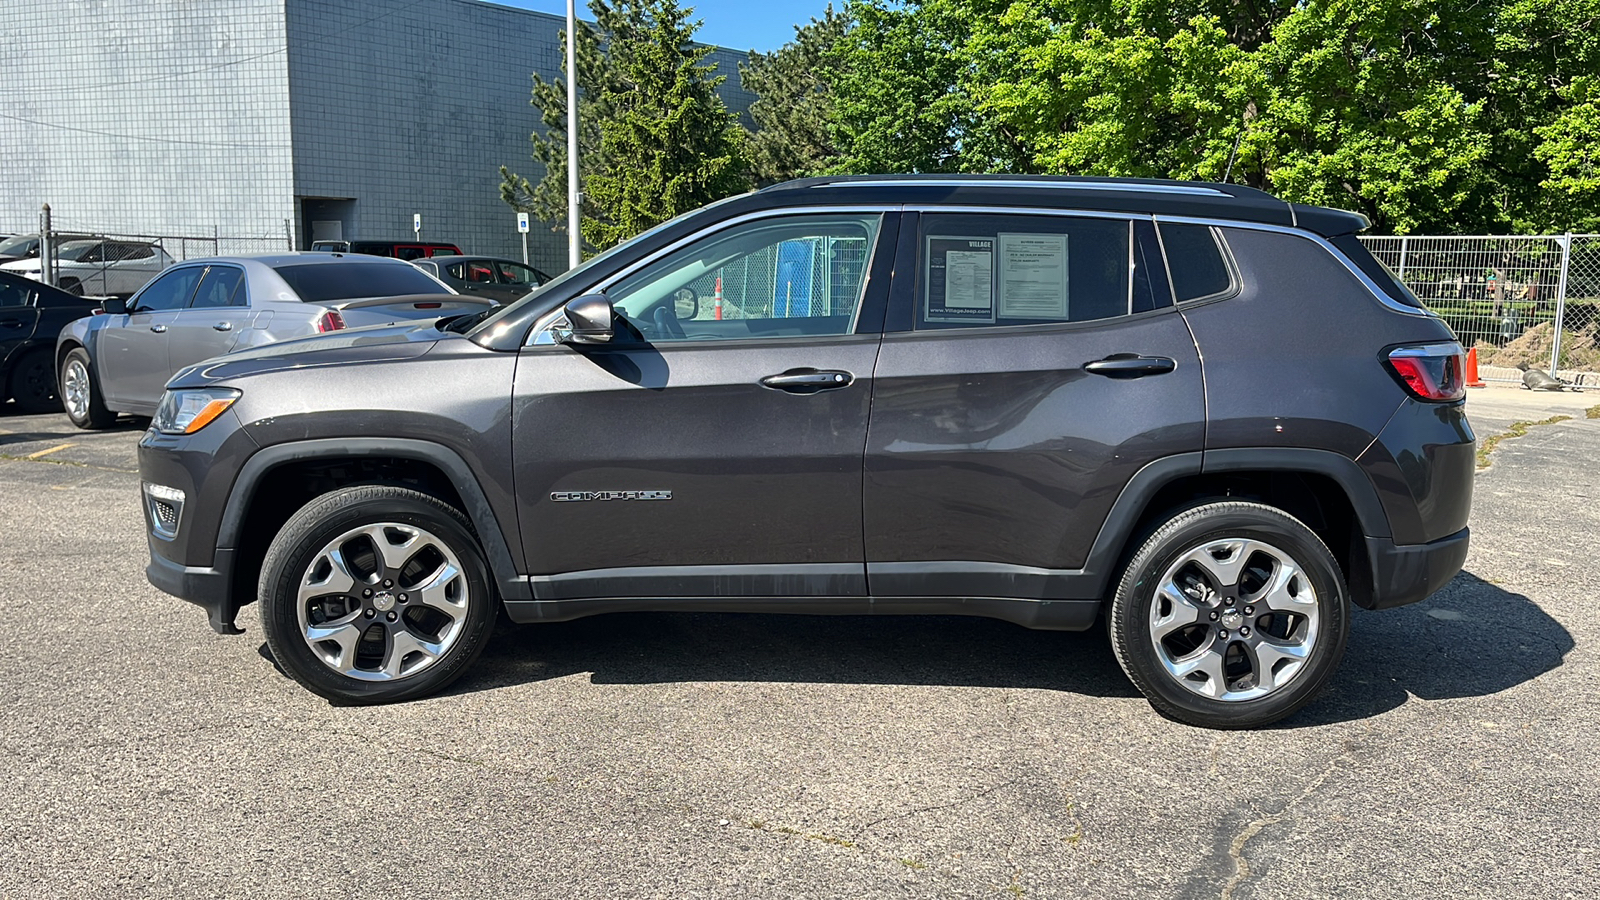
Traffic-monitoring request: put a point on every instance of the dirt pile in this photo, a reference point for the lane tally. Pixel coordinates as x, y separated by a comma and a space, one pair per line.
1579, 350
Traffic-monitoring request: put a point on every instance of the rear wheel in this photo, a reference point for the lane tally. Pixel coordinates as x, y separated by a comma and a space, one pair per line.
33, 383
80, 392
374, 594
1232, 615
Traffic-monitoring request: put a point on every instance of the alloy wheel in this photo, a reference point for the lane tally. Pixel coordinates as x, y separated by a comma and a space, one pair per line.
75, 389
1234, 619
382, 602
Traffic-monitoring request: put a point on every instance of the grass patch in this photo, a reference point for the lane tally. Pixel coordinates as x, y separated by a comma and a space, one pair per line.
1518, 429
1593, 412
911, 863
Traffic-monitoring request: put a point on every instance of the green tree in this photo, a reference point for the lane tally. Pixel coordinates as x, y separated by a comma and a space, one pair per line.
1426, 115
793, 112
655, 141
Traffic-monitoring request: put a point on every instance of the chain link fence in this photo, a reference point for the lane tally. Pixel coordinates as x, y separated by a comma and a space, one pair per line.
96, 262
805, 277
1524, 302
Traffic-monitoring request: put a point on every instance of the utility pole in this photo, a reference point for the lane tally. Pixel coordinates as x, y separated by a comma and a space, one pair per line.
574, 252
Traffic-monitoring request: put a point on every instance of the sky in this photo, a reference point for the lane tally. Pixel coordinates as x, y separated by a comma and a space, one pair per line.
735, 24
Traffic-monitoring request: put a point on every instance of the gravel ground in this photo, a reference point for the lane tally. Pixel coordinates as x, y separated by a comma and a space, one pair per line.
770, 756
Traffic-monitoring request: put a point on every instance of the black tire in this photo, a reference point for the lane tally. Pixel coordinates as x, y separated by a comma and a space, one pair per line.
72, 286
33, 383
1224, 685
294, 558
91, 412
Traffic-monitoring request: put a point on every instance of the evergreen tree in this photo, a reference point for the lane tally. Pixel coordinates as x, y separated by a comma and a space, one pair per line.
793, 111
655, 139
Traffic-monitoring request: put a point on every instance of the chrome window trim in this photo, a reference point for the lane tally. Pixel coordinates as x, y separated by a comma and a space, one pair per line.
539, 335
1179, 189
1372, 288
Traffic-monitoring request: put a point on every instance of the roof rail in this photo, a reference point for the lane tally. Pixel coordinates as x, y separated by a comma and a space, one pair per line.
1057, 182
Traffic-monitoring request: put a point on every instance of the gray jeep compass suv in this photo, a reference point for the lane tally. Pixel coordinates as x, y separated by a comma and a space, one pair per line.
1204, 413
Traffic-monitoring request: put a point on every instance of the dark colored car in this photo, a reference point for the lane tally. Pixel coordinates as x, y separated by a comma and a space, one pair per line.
503, 279
1203, 413
31, 316
397, 249
200, 308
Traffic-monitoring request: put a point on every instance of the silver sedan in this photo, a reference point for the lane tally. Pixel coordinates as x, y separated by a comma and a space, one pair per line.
119, 360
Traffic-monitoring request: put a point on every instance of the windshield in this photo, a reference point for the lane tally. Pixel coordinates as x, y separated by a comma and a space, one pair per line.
21, 245
76, 249
331, 282
584, 267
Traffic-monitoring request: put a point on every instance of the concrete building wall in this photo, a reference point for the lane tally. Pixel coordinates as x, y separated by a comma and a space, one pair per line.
401, 108
194, 117
145, 116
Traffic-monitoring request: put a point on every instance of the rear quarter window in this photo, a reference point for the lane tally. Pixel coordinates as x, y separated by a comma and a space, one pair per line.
1195, 262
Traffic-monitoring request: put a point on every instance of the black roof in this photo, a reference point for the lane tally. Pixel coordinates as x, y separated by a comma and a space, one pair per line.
1202, 199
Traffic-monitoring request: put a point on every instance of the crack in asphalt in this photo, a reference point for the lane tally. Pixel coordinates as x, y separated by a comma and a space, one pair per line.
938, 806
1256, 826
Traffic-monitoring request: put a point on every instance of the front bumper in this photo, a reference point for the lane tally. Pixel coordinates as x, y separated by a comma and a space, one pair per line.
1407, 573
209, 587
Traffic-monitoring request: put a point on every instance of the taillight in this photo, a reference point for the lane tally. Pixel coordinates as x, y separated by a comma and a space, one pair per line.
1429, 372
330, 321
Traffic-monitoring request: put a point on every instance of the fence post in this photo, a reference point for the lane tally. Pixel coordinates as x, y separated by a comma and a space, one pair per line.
1402, 273
1561, 303
46, 270
288, 237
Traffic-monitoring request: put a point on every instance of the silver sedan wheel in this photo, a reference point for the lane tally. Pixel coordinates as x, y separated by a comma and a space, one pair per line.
382, 602
1234, 619
75, 388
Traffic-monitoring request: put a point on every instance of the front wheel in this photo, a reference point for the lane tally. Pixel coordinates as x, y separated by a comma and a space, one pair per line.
1232, 615
80, 392
374, 594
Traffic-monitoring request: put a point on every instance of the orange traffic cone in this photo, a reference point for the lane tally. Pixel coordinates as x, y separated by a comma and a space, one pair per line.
1472, 369
719, 298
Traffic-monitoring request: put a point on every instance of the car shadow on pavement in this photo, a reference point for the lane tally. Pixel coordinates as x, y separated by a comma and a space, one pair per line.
650, 648
55, 426
1471, 639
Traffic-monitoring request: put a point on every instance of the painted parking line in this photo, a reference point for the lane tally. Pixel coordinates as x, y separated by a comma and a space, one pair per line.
55, 449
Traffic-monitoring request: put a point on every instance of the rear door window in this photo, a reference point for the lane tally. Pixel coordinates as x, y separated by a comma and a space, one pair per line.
1000, 270
220, 287
1196, 262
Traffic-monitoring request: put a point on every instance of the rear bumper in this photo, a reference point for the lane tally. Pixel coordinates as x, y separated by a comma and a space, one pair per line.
1407, 573
208, 587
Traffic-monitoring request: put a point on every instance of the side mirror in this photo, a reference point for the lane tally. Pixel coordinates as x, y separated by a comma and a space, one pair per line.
114, 306
685, 303
588, 321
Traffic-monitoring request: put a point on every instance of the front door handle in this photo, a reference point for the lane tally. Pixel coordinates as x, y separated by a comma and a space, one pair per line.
809, 381
223, 326
1130, 365
10, 323
158, 329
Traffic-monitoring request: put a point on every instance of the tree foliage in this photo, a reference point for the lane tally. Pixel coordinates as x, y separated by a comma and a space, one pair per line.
793, 110
655, 141
1425, 115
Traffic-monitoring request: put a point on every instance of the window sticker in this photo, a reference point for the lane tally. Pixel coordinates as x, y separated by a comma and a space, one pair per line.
1033, 276
960, 280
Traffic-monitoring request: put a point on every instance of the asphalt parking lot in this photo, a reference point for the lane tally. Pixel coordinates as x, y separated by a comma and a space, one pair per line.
725, 756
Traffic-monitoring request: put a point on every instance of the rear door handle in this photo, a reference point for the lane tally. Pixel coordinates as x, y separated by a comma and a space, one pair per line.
158, 329
809, 381
11, 323
223, 326
1130, 365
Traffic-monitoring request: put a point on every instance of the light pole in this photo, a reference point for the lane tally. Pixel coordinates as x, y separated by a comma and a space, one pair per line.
574, 253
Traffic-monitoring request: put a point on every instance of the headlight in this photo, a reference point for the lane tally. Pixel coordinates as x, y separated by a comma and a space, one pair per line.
188, 411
